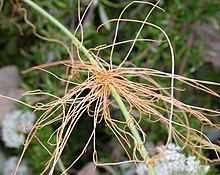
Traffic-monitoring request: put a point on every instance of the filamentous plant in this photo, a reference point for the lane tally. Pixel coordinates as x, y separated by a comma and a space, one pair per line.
111, 85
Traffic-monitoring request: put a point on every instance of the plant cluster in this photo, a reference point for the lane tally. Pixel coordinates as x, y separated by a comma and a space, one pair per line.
172, 161
100, 78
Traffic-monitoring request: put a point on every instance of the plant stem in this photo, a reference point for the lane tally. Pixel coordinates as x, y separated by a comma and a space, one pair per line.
63, 29
115, 94
62, 167
132, 127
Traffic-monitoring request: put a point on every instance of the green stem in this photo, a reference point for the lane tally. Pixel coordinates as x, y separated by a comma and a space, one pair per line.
64, 29
132, 127
115, 94
62, 167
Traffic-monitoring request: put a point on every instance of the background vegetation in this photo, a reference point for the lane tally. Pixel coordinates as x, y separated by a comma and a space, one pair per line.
181, 21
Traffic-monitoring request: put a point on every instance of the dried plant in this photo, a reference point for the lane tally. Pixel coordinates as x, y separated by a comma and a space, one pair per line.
150, 99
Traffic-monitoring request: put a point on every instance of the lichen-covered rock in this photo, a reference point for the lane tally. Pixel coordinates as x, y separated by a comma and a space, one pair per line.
10, 165
14, 127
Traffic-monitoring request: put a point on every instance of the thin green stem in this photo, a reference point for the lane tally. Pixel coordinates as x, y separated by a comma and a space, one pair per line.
63, 29
115, 94
132, 127
62, 167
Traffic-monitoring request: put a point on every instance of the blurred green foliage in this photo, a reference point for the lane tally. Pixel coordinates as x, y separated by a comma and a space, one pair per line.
19, 46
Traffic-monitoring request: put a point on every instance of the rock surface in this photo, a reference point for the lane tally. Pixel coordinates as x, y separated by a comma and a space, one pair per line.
88, 169
9, 86
212, 40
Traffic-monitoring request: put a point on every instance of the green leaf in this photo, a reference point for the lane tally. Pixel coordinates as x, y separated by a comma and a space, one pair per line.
103, 16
